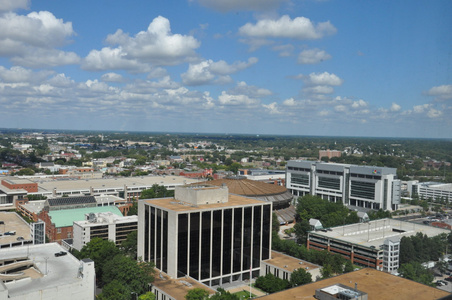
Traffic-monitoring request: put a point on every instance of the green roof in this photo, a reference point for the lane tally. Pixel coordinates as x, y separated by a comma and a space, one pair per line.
66, 217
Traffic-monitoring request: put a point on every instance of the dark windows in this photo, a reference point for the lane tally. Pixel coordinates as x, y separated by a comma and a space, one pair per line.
194, 245
205, 244
227, 242
216, 243
362, 189
237, 241
182, 245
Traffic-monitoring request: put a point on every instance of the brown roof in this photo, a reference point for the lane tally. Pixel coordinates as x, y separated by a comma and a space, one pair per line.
178, 288
377, 285
245, 187
289, 263
173, 204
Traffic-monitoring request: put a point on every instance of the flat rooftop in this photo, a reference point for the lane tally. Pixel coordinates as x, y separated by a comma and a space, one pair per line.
289, 263
13, 221
60, 270
374, 233
66, 217
178, 288
377, 285
175, 205
46, 185
437, 185
17, 180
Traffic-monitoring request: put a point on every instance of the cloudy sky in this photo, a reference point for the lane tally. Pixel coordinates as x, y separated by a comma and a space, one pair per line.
298, 67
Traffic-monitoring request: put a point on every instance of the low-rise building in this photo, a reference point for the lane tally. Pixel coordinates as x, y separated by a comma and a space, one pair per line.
36, 272
282, 266
373, 244
104, 225
363, 284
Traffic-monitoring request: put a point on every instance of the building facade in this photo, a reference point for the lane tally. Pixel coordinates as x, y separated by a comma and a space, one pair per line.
430, 190
104, 225
205, 233
366, 187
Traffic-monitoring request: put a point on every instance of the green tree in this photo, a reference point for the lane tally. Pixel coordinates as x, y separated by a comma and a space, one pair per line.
348, 267
129, 245
415, 271
197, 294
100, 251
115, 290
327, 271
271, 284
147, 296
26, 171
221, 294
299, 277
156, 191
275, 223
135, 275
301, 231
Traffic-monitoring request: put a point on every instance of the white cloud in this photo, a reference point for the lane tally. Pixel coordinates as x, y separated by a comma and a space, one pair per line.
236, 100
299, 28
10, 5
434, 113
29, 39
312, 56
209, 71
252, 91
46, 58
442, 92
272, 108
156, 46
19, 74
324, 78
112, 59
235, 5
395, 107
358, 104
421, 108
112, 77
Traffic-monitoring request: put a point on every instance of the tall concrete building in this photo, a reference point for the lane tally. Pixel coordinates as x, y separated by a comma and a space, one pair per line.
205, 233
365, 187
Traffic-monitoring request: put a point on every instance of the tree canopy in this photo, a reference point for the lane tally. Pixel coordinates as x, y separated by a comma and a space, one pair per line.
197, 294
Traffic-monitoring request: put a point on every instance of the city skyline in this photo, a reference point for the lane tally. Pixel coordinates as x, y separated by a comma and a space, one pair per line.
321, 68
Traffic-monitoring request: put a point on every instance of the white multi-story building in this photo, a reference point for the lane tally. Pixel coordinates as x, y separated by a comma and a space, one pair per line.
205, 233
430, 190
45, 271
104, 225
366, 187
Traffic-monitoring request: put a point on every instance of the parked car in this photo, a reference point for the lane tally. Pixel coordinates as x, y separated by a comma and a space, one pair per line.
61, 253
2, 222
448, 278
12, 232
20, 238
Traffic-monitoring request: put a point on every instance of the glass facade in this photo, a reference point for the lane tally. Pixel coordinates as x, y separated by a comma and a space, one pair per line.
329, 183
362, 189
299, 179
182, 245
215, 247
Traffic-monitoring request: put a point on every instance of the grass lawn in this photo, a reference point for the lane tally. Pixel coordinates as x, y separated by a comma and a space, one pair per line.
244, 295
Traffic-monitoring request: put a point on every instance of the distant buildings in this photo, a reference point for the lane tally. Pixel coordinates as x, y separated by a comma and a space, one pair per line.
329, 153
363, 187
35, 272
205, 233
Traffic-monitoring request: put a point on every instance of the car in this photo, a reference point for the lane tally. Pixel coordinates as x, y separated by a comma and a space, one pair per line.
2, 222
439, 283
61, 253
448, 278
426, 222
12, 232
20, 238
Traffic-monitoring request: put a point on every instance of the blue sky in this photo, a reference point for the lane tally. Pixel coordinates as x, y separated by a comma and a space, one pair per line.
304, 67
